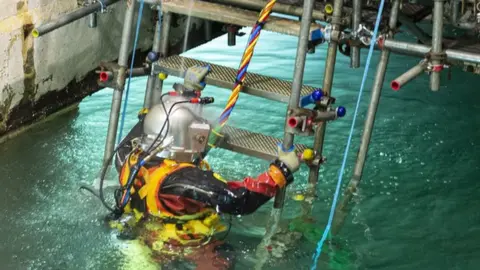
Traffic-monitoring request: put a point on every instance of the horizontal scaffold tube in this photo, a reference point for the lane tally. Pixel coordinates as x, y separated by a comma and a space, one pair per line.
279, 7
70, 17
421, 50
409, 75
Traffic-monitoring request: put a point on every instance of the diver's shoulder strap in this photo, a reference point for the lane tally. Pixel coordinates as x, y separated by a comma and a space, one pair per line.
153, 178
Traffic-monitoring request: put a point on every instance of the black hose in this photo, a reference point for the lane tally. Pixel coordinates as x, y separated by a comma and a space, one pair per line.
104, 168
102, 179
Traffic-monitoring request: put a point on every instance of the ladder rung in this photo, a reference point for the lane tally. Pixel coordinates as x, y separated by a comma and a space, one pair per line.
252, 144
224, 77
232, 15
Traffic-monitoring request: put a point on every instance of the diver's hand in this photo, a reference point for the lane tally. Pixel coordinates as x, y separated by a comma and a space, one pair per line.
195, 76
289, 157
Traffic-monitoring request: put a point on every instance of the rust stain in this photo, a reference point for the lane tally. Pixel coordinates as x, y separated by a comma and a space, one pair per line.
30, 88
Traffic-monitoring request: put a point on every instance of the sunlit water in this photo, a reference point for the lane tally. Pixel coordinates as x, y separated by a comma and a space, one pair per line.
417, 207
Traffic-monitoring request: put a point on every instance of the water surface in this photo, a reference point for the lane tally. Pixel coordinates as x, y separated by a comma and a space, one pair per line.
416, 208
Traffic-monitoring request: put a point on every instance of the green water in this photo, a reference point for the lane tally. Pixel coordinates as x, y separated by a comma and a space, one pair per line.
416, 208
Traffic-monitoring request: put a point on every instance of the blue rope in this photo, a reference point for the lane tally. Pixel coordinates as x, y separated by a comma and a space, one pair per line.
342, 169
139, 20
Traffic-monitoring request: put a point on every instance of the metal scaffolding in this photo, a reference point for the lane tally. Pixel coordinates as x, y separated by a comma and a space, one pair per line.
348, 25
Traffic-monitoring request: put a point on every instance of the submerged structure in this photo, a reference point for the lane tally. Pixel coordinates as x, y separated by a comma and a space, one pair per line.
344, 26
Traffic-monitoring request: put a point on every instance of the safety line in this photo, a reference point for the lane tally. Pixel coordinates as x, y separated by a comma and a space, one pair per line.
342, 169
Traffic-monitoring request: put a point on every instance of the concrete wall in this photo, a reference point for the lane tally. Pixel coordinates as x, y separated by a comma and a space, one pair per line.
40, 76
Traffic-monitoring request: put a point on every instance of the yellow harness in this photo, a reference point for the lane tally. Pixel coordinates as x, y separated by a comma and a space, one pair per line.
163, 225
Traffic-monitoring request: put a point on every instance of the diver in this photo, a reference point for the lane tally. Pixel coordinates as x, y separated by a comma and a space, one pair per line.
169, 197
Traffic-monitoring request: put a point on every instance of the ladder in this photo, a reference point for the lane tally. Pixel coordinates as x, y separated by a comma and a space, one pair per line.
238, 140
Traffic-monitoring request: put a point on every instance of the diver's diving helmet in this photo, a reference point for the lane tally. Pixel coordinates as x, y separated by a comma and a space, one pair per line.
186, 126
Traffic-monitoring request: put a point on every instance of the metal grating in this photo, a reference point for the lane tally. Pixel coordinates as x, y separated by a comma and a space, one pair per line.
252, 144
232, 15
221, 76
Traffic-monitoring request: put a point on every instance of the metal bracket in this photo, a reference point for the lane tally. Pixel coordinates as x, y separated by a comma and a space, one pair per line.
232, 32
333, 33
301, 121
363, 34
441, 57
104, 9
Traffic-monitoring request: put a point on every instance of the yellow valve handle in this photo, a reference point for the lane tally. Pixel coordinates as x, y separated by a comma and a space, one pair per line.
308, 155
328, 9
162, 76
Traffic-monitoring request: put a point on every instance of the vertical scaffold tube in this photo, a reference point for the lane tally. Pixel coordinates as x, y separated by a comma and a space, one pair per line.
117, 93
164, 44
327, 88
437, 38
340, 211
357, 17
294, 101
153, 56
297, 80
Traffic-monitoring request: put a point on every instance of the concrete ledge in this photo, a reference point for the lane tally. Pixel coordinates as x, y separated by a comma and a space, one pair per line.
40, 121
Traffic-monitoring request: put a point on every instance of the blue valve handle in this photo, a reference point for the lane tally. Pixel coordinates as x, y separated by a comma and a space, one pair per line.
341, 111
317, 35
312, 98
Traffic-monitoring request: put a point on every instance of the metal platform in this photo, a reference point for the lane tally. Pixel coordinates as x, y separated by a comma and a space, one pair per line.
252, 144
232, 15
254, 84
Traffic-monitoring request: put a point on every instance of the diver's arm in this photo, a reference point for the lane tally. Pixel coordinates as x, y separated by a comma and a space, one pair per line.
190, 189
186, 190
248, 195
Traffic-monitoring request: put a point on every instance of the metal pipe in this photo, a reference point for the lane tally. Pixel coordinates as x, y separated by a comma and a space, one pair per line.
152, 78
294, 101
69, 18
415, 30
357, 17
421, 50
437, 39
455, 10
117, 93
327, 88
208, 30
164, 44
138, 72
92, 19
340, 211
409, 75
279, 7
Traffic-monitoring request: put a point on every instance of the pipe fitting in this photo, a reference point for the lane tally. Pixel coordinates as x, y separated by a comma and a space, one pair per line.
294, 121
409, 75
312, 98
232, 32
329, 115
105, 76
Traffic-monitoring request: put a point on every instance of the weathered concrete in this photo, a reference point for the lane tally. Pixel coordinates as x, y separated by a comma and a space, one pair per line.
41, 76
